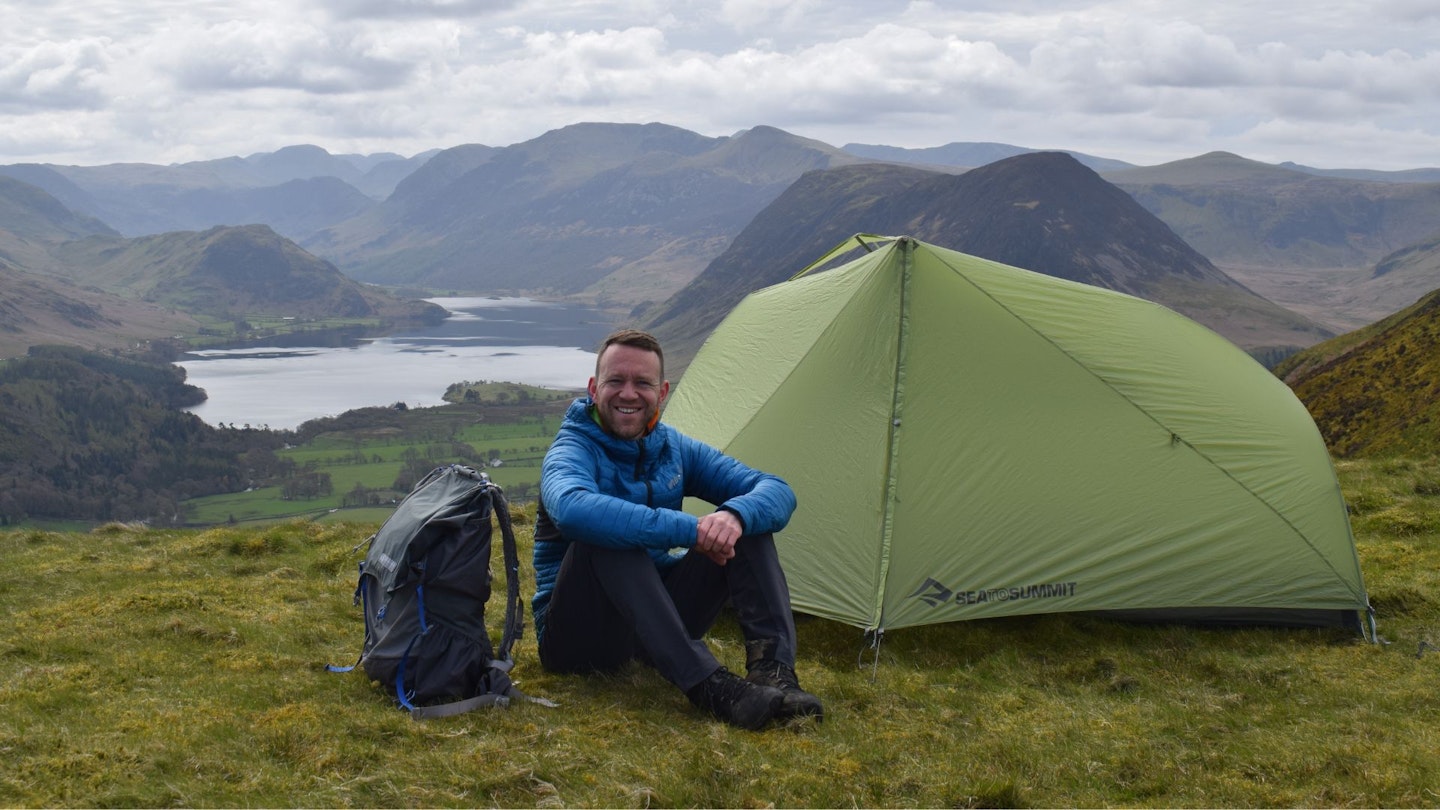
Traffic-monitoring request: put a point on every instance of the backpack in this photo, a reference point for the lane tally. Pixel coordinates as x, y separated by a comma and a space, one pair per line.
423, 587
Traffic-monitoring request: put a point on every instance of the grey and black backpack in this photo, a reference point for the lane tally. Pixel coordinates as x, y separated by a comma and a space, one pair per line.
423, 587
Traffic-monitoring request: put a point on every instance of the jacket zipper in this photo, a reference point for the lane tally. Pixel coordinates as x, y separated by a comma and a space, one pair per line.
640, 475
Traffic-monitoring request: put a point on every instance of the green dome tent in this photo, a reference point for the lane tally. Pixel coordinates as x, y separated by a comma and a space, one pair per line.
971, 440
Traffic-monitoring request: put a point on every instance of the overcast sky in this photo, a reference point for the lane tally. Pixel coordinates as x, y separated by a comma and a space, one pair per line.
1329, 83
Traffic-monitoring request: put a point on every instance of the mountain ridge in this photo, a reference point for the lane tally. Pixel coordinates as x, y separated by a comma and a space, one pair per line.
1041, 211
591, 200
623, 216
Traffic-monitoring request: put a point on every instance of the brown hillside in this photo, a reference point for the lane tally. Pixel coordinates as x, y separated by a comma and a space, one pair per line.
1376, 391
36, 309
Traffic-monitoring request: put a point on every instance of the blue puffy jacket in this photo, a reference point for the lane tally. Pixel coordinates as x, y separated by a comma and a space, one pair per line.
627, 493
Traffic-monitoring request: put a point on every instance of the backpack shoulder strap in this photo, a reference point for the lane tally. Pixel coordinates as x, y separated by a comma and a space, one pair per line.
514, 609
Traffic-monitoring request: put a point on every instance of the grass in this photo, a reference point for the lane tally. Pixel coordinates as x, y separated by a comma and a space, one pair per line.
153, 668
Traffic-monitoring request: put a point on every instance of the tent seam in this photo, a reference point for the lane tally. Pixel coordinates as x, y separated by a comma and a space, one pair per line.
906, 246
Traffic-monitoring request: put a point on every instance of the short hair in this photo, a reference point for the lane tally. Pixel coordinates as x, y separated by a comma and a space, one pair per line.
635, 338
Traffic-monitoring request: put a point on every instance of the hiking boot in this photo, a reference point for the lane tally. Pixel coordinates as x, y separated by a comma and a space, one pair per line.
735, 700
796, 702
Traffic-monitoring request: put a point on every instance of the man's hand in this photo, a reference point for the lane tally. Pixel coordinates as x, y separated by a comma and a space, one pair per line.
716, 534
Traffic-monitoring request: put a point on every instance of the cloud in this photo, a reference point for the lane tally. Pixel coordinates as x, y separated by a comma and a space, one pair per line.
409, 9
1411, 11
1120, 77
55, 75
237, 55
753, 15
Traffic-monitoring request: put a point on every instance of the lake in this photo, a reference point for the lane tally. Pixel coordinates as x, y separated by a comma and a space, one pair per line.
498, 339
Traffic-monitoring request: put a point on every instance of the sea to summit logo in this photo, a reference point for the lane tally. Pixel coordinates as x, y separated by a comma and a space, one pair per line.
932, 593
935, 593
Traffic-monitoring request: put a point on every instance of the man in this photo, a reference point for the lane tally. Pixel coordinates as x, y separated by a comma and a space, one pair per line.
622, 573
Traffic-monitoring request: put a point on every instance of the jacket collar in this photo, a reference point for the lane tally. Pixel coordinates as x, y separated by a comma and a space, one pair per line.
580, 417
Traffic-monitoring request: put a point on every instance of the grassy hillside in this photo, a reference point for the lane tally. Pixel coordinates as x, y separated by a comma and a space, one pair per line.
154, 668
1374, 391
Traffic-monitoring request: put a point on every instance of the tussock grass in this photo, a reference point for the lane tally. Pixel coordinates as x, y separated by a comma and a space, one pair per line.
186, 668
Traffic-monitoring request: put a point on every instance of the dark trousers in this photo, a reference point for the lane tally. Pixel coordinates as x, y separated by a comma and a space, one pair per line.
612, 605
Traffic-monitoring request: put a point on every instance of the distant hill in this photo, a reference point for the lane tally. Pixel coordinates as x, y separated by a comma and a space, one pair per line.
1233, 209
40, 308
1427, 175
1043, 212
69, 279
231, 272
294, 208
970, 155
30, 218
375, 175
297, 190
1421, 259
71, 197
1307, 241
1375, 391
618, 213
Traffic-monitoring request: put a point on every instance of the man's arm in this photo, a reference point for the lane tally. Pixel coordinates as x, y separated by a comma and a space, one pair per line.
762, 502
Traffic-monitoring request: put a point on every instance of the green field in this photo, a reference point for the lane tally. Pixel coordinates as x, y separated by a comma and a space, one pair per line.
149, 667
375, 459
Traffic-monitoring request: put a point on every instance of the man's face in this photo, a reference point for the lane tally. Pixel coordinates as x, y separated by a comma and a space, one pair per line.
627, 390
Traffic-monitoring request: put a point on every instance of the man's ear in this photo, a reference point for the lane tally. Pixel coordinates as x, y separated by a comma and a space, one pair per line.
591, 388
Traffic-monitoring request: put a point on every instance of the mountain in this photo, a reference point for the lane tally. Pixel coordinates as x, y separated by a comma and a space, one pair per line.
624, 216
231, 272
970, 155
1427, 175
37, 308
67, 194
294, 208
69, 279
297, 190
29, 212
1234, 209
1375, 391
1042, 211
1305, 241
376, 175
31, 220
617, 213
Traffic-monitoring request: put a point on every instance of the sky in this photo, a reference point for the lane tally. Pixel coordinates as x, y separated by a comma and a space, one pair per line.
1325, 83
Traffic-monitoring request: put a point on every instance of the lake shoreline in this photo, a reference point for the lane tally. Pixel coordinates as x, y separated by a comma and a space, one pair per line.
522, 340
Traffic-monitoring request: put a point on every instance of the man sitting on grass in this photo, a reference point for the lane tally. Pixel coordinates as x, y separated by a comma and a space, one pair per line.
622, 573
